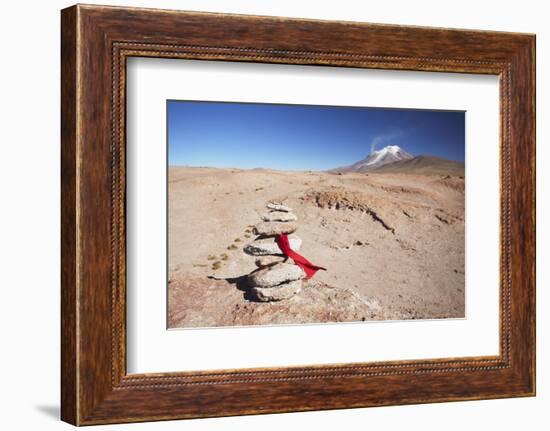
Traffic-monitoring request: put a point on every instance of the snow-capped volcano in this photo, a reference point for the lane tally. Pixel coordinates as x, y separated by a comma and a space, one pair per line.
389, 154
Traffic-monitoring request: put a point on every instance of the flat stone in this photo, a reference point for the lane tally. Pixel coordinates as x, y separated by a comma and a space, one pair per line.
277, 293
274, 275
279, 216
264, 261
274, 228
268, 246
278, 207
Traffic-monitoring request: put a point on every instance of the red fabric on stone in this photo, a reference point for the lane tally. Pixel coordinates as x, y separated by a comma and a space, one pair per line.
309, 268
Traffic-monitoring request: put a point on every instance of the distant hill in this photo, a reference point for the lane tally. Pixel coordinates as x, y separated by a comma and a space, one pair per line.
376, 159
423, 165
394, 159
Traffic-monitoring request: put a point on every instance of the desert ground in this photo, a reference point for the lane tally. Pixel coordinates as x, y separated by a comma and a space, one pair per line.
392, 243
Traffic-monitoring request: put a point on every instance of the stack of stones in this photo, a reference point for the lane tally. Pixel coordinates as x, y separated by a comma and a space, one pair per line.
275, 279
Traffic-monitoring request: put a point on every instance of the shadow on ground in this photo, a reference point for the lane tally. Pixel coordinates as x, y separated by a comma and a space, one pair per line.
52, 411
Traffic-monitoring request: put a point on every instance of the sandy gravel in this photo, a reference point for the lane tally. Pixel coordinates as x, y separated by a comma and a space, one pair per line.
393, 245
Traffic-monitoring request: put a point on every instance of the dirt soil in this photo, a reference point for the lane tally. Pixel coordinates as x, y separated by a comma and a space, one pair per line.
393, 246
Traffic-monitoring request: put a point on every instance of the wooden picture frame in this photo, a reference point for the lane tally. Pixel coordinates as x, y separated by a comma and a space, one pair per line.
95, 43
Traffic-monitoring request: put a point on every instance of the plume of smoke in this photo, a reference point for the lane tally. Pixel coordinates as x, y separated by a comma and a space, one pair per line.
384, 138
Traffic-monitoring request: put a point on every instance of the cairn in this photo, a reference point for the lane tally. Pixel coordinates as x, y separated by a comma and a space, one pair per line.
275, 279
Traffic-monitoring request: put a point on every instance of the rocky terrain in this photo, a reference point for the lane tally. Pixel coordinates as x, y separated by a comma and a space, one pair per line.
393, 246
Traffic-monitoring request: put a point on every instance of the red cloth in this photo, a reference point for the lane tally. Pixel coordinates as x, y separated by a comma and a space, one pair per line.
309, 268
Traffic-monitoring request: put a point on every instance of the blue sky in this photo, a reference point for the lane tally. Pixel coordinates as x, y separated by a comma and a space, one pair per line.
300, 137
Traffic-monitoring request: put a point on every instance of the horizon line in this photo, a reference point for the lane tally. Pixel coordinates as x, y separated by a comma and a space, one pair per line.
302, 169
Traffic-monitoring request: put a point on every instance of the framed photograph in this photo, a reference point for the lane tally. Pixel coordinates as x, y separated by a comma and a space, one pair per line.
264, 215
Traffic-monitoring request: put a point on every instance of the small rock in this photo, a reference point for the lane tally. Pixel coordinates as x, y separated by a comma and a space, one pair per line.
277, 293
267, 246
274, 228
262, 262
278, 207
274, 275
279, 216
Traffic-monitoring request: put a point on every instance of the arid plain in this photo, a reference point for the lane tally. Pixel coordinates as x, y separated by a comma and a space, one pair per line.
392, 243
